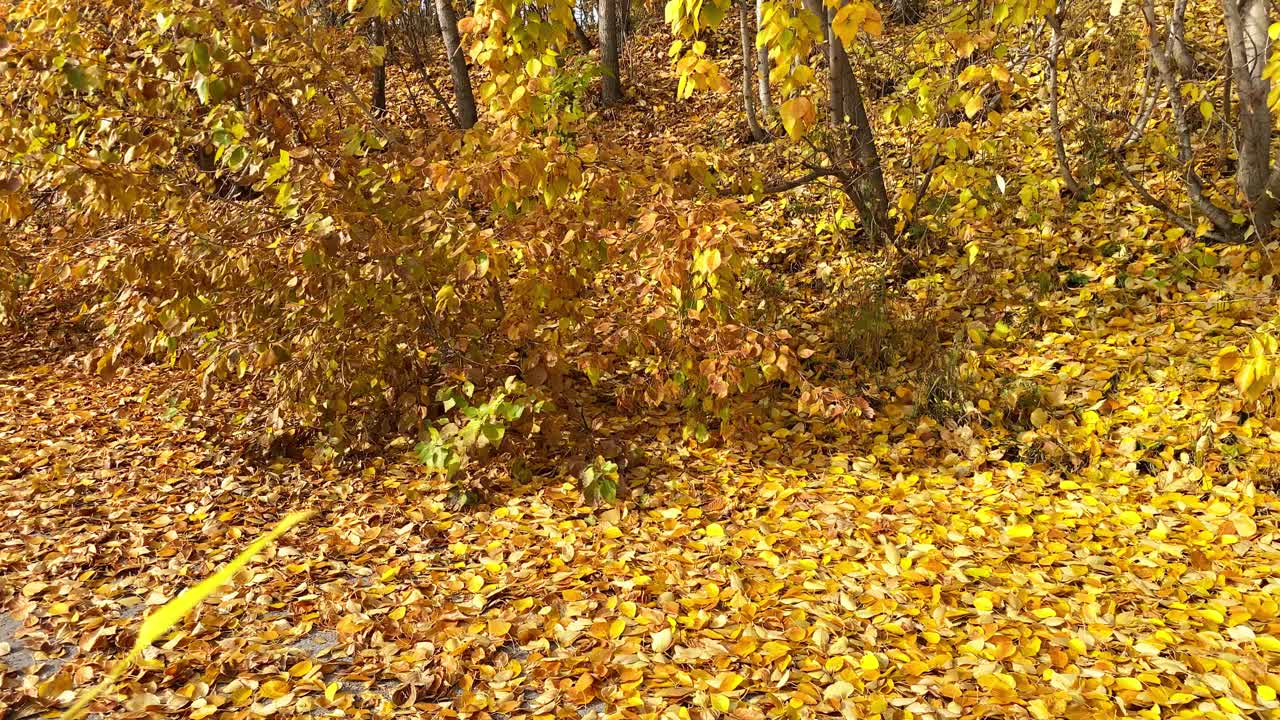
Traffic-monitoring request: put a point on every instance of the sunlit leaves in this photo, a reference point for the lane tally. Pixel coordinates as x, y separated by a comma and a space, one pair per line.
1254, 370
167, 616
696, 71
855, 17
798, 115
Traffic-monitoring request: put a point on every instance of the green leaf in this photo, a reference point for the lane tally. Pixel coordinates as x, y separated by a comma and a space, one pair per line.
76, 77
200, 54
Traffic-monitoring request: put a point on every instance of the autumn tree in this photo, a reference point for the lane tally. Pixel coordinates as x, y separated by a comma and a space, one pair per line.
610, 48
846, 150
1054, 18
750, 87
415, 27
380, 68
762, 64
465, 100
381, 279
1233, 93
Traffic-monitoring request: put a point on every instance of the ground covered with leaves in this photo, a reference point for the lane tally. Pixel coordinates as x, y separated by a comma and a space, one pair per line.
1055, 504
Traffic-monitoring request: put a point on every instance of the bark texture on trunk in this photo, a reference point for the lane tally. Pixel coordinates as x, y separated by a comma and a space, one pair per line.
1051, 79
1194, 183
463, 96
624, 22
1247, 39
762, 65
837, 64
581, 36
1178, 51
849, 113
379, 71
746, 34
611, 80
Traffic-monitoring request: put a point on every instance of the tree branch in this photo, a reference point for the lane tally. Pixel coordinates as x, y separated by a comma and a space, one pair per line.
1161, 205
785, 185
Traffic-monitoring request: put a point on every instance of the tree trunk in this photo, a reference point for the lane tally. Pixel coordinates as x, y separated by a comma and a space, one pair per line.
1178, 51
871, 178
1224, 129
624, 22
465, 99
1150, 97
1051, 79
748, 70
836, 77
1249, 43
578, 34
379, 71
762, 65
1186, 155
849, 113
611, 82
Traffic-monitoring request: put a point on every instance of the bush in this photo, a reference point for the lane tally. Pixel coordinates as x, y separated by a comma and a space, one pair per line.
875, 333
374, 281
944, 390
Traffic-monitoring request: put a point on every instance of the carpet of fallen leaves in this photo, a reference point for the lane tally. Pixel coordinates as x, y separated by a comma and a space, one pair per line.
1113, 551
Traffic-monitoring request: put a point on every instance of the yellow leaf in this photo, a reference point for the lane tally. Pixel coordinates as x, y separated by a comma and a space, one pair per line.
172, 612
1213, 615
720, 702
714, 530
301, 668
869, 662
273, 689
616, 627
498, 627
854, 17
728, 681
1266, 693
475, 583
773, 650
1245, 526
661, 640
974, 105
838, 690
1020, 531
983, 604
1227, 360
1130, 517
331, 691
798, 115
972, 249
1128, 683
1268, 642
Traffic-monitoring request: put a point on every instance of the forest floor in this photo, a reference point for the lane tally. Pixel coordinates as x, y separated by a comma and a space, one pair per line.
1057, 507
